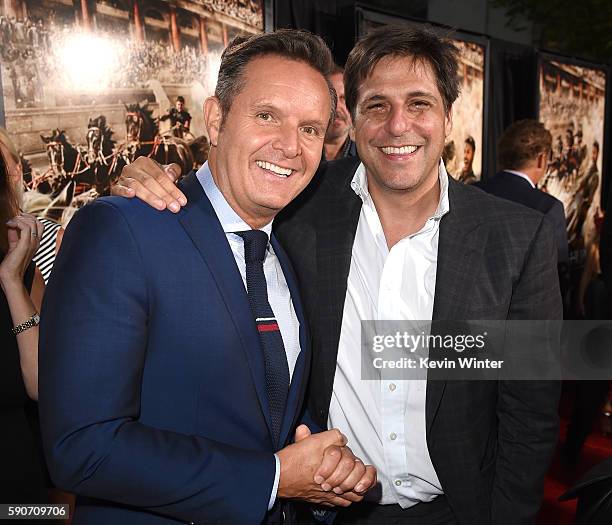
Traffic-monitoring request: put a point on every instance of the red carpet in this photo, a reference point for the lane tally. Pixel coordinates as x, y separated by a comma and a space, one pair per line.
560, 477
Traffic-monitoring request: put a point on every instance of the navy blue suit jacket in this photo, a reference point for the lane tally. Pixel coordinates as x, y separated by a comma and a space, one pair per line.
152, 383
514, 188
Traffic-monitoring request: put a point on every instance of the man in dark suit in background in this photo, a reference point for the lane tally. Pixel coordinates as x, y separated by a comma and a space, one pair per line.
394, 237
522, 157
174, 348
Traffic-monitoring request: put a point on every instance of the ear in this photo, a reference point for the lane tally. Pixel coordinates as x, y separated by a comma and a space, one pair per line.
542, 160
213, 115
448, 123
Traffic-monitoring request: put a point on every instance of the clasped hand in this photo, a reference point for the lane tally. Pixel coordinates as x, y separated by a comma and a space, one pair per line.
321, 469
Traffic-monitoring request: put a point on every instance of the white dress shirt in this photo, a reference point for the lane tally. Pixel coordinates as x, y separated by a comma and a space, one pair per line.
384, 420
522, 176
279, 296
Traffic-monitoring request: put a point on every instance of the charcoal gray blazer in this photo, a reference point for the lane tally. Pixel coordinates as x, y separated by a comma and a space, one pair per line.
490, 441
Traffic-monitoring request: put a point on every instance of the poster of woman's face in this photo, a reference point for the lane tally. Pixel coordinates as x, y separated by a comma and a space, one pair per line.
88, 86
572, 100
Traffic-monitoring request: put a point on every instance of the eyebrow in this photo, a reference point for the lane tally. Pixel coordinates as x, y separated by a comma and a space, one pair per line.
266, 106
411, 94
315, 123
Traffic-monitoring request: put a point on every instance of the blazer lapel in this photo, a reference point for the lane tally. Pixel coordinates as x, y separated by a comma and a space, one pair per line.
335, 238
202, 225
459, 249
302, 366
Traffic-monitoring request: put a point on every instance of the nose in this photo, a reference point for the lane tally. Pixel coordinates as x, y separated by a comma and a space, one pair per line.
398, 121
288, 141
341, 109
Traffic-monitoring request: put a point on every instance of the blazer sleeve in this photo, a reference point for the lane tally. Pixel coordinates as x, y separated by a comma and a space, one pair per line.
92, 355
528, 410
556, 216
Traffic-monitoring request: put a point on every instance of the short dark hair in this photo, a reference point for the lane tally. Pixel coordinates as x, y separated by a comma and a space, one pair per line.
180, 98
421, 45
522, 142
293, 44
470, 140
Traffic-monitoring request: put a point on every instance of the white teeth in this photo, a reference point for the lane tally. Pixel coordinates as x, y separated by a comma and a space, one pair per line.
389, 150
284, 172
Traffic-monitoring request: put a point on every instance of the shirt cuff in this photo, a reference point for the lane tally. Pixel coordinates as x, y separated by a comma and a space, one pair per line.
275, 486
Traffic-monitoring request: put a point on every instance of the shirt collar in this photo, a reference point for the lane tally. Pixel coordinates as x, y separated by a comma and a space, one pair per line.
522, 175
359, 184
229, 219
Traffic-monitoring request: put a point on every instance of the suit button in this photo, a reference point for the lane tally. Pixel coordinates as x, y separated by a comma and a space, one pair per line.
398, 482
392, 387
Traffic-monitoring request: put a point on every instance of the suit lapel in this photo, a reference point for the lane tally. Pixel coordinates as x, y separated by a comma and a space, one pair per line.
302, 365
335, 238
200, 222
459, 249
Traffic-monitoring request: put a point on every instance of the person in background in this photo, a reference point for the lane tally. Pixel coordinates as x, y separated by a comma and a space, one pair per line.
22, 477
338, 143
522, 157
53, 232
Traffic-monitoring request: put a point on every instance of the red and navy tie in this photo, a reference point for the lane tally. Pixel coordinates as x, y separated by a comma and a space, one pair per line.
275, 358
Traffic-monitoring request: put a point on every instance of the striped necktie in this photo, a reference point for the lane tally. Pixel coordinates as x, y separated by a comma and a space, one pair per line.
275, 358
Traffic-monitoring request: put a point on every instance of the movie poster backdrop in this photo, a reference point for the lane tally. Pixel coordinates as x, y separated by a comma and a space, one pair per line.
572, 107
463, 151
88, 86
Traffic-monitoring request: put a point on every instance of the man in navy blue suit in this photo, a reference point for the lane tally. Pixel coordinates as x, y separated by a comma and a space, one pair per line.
172, 397
522, 153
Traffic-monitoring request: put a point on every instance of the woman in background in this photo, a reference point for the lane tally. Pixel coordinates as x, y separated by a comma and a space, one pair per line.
21, 474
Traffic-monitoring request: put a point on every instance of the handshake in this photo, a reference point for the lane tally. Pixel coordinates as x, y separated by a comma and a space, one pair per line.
321, 469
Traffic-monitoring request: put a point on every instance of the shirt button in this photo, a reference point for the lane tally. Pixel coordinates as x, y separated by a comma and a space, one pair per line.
398, 482
392, 387
393, 436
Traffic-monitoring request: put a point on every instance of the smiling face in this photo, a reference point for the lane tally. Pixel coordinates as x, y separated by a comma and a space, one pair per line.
400, 124
468, 156
269, 145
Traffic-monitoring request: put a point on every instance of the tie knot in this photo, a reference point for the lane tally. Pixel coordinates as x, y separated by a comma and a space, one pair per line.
255, 244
